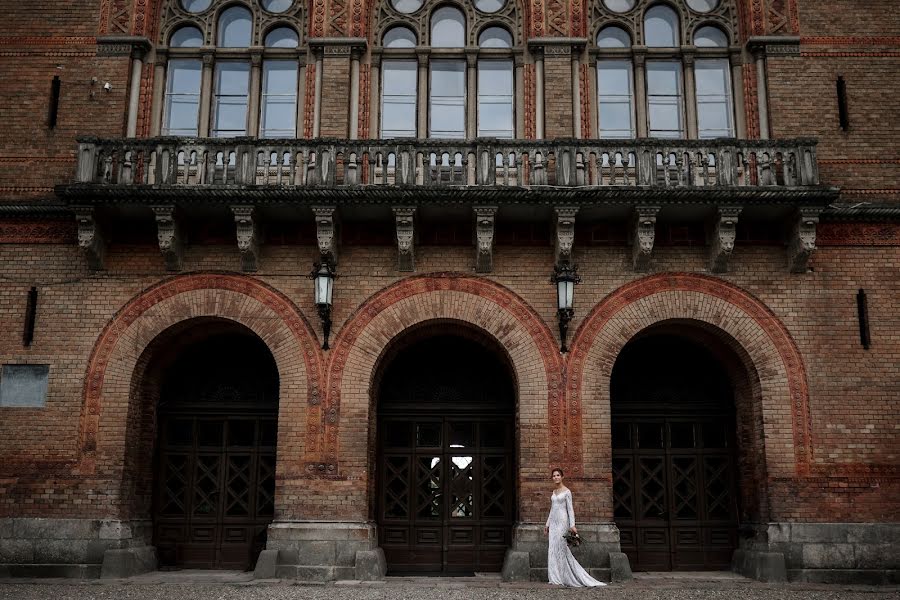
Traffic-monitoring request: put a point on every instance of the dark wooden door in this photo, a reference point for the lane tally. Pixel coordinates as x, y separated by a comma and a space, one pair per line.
674, 493
216, 489
445, 493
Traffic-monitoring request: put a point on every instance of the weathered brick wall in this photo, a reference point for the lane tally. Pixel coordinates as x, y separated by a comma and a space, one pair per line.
852, 392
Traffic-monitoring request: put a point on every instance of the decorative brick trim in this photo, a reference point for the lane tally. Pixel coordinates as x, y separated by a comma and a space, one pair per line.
25, 231
840, 40
857, 234
242, 299
364, 101
850, 54
46, 41
309, 101
486, 305
758, 333
530, 101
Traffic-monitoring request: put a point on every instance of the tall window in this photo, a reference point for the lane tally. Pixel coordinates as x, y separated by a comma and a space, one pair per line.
226, 32
495, 88
662, 94
399, 87
457, 59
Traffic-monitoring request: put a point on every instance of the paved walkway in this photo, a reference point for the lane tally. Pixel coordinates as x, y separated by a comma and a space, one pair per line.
230, 585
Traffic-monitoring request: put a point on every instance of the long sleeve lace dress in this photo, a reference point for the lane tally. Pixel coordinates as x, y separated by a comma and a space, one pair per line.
562, 568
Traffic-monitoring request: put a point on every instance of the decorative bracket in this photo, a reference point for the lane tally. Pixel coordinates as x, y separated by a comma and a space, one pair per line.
403, 217
565, 233
247, 236
722, 238
803, 238
90, 238
168, 231
644, 236
326, 233
484, 236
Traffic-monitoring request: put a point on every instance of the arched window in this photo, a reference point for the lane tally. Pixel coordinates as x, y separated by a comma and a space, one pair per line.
495, 87
459, 57
655, 92
233, 82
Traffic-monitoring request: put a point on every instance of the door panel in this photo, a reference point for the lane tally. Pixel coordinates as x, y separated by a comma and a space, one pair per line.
459, 517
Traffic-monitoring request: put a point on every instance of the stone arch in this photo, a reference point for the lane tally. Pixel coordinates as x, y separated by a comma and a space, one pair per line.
736, 319
484, 305
119, 358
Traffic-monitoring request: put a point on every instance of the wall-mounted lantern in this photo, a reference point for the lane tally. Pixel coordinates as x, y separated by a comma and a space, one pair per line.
565, 277
323, 277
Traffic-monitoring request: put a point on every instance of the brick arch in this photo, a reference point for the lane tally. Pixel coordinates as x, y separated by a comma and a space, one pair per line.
740, 320
531, 348
114, 361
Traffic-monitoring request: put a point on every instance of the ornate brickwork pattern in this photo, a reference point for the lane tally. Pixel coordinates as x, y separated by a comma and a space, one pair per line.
309, 101
578, 22
364, 104
609, 316
857, 234
584, 82
337, 18
26, 231
751, 103
529, 92
317, 18
558, 17
537, 18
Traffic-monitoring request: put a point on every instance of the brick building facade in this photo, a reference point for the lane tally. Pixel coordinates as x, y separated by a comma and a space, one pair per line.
724, 394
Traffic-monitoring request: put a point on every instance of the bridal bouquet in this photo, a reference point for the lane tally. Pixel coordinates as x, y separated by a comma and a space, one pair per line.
573, 540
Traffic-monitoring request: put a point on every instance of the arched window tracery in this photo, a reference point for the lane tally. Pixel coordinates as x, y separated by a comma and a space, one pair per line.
231, 68
664, 68
448, 69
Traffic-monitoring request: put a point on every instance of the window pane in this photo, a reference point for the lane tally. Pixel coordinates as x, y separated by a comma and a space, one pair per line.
615, 104
186, 37
664, 98
282, 37
495, 37
661, 27
182, 98
714, 104
398, 103
495, 98
619, 5
613, 37
448, 28
710, 37
489, 6
277, 6
448, 99
279, 99
407, 6
235, 27
230, 114
195, 6
399, 37
703, 5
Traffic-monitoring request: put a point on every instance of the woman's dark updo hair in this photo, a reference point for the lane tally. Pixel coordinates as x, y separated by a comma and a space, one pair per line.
558, 470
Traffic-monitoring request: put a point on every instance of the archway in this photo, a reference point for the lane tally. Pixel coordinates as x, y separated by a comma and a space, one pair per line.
214, 386
445, 468
674, 449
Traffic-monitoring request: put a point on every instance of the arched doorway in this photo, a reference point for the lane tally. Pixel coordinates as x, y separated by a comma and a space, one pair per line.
214, 482
445, 477
675, 498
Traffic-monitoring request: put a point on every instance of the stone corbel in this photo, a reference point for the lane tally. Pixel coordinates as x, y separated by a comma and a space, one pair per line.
484, 236
564, 238
326, 233
403, 218
722, 238
247, 236
90, 237
168, 232
803, 238
644, 224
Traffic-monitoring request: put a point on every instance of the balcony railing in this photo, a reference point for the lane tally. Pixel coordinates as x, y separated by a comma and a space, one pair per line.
773, 168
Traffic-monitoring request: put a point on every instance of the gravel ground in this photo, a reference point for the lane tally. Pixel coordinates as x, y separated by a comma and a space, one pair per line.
665, 589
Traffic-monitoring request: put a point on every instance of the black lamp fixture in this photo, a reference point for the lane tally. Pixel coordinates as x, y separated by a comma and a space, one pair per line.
323, 276
565, 277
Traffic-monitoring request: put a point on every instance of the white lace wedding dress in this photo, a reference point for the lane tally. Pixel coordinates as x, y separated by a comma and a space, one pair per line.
562, 568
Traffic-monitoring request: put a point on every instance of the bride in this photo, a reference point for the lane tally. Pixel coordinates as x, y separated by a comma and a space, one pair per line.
562, 568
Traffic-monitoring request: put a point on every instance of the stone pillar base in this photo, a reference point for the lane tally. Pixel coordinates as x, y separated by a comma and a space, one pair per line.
600, 554
863, 553
321, 551
75, 548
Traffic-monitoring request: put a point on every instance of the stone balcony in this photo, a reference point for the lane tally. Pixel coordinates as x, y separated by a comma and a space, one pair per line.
408, 182
583, 171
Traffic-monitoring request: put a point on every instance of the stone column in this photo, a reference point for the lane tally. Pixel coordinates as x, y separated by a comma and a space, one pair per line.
159, 82
762, 92
520, 97
317, 97
354, 95
335, 86
539, 94
737, 87
255, 90
134, 90
576, 94
422, 100
374, 99
206, 92
300, 131
471, 94
690, 93
640, 90
559, 81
